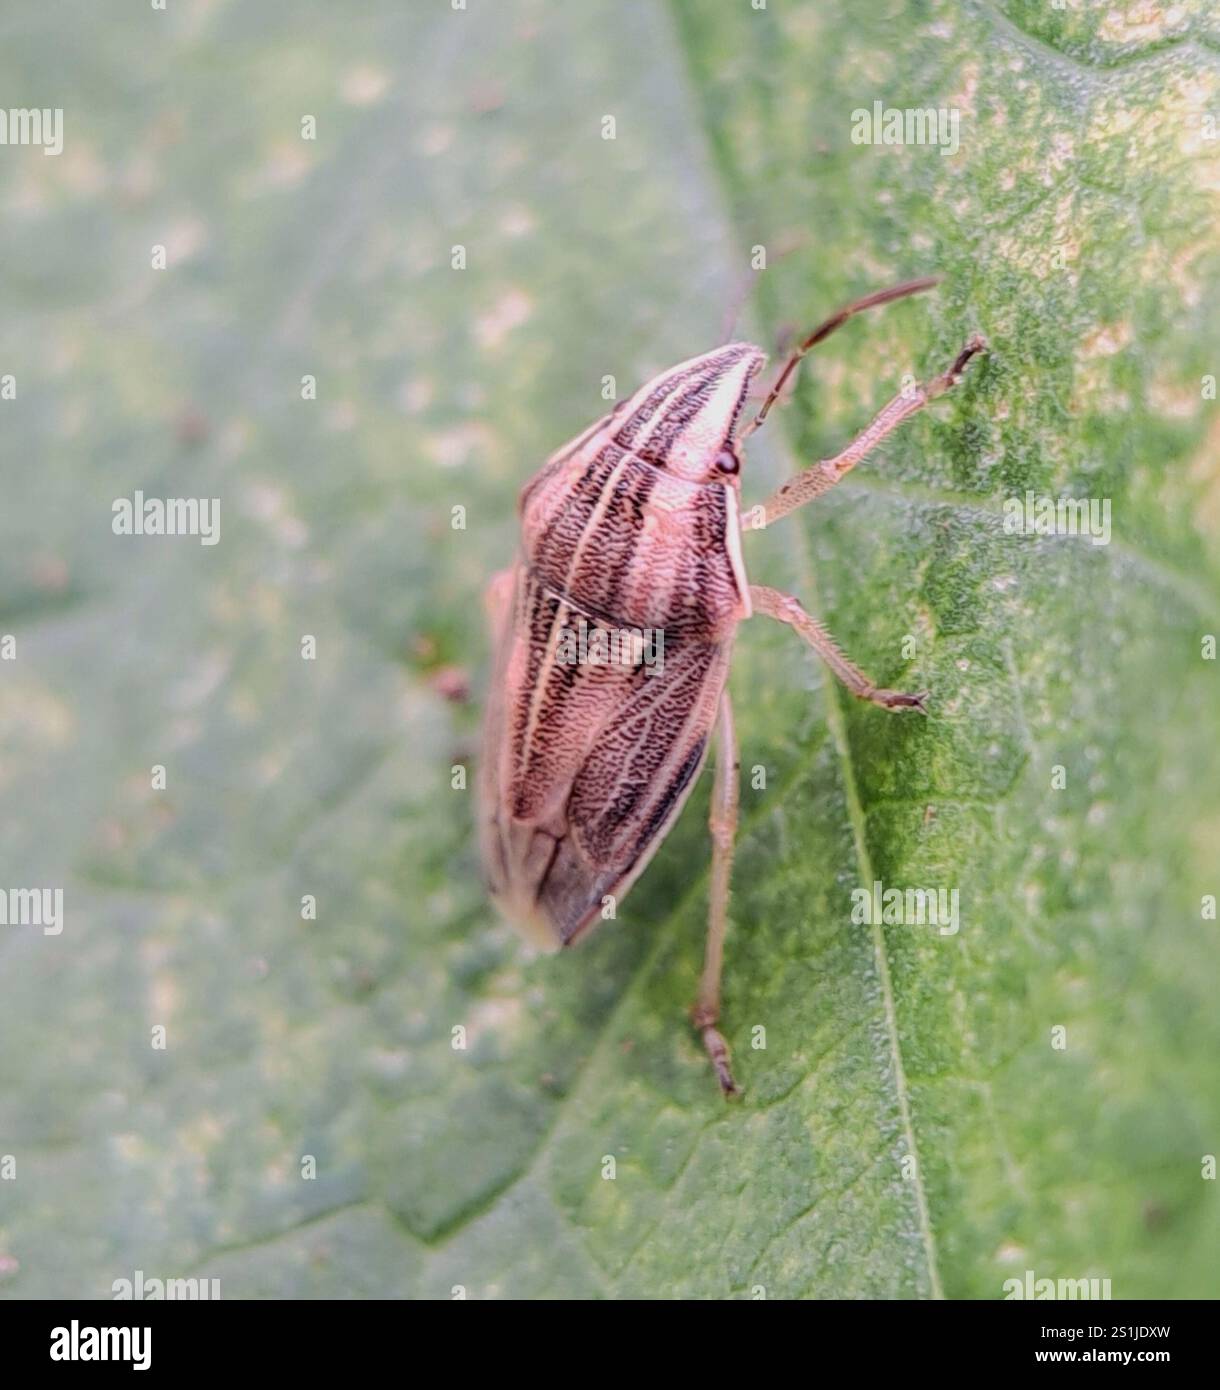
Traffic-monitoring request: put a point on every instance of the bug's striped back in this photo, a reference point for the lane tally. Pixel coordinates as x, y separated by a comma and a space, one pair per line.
585, 765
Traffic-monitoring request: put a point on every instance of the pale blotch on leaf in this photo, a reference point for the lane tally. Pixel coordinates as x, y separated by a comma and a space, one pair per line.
510, 311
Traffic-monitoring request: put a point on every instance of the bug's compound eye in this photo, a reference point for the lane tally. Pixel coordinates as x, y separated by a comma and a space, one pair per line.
727, 462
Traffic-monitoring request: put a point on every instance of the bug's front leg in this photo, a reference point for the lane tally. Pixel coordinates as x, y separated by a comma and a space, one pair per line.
785, 609
723, 825
822, 476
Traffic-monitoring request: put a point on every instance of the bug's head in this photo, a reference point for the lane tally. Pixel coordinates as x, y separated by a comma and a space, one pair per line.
683, 420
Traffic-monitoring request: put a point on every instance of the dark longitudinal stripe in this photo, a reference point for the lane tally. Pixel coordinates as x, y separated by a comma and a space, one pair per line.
539, 617
673, 405
678, 413
629, 430
681, 410
571, 515
672, 793
626, 521
545, 474
592, 561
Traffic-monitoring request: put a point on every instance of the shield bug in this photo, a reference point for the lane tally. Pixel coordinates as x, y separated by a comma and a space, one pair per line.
612, 635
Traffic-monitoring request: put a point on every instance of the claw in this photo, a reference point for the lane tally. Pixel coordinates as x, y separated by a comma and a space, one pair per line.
897, 699
718, 1051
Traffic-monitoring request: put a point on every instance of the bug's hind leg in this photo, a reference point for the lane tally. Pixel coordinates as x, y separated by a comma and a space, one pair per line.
819, 478
723, 824
785, 609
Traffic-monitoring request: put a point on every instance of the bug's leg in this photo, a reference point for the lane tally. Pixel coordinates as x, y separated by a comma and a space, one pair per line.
785, 609
814, 481
824, 330
723, 824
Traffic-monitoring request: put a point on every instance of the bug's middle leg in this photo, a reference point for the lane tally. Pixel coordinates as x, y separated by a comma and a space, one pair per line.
785, 609
723, 825
819, 478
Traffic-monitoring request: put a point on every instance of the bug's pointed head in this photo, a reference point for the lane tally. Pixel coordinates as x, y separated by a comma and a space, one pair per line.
683, 420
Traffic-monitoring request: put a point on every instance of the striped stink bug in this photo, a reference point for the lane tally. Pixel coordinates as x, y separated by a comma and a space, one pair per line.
612, 635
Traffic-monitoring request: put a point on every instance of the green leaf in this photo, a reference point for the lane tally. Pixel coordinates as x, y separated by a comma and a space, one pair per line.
909, 1129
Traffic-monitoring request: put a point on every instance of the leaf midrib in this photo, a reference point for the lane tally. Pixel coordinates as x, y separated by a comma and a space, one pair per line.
717, 161
664, 929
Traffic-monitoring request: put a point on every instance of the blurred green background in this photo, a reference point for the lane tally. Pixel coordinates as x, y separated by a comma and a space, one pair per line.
909, 1129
